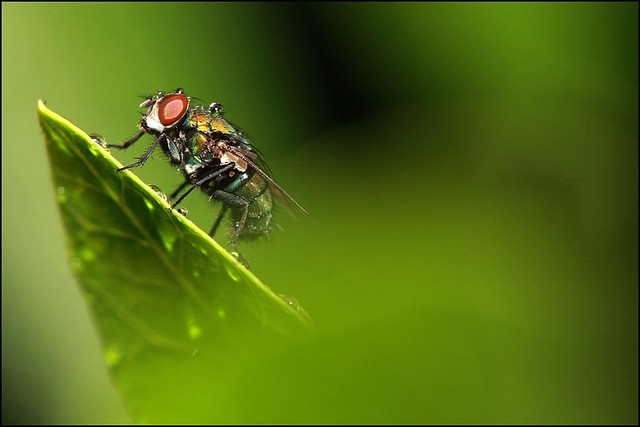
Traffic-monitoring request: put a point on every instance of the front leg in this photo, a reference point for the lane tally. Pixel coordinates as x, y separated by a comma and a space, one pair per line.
145, 156
128, 143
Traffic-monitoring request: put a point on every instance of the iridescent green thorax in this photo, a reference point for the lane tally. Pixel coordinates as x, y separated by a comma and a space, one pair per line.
207, 134
205, 121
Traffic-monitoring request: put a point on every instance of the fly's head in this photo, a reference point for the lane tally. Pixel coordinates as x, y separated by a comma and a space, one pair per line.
166, 112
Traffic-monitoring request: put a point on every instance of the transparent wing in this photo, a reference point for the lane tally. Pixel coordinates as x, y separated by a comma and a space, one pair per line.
252, 159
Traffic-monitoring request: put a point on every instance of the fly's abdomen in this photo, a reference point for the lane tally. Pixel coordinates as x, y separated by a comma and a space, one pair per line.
260, 210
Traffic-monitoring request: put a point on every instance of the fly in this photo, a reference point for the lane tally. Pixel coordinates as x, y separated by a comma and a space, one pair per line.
214, 156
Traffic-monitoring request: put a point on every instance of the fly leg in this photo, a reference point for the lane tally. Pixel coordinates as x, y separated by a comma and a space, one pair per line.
220, 214
179, 189
208, 177
218, 220
145, 156
127, 143
231, 200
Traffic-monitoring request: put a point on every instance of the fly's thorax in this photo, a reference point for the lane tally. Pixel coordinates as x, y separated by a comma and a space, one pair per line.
208, 123
198, 119
196, 132
201, 145
221, 126
209, 151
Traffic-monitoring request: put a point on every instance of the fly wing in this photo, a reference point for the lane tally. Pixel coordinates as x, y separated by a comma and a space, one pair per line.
252, 160
258, 158
242, 140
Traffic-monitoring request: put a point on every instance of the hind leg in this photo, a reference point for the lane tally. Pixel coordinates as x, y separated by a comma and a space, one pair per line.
199, 182
231, 200
179, 189
218, 220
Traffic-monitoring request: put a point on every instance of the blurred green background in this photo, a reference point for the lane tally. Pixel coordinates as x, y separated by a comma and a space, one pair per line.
473, 169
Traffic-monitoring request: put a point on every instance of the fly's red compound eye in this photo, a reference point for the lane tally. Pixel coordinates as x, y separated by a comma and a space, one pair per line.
171, 108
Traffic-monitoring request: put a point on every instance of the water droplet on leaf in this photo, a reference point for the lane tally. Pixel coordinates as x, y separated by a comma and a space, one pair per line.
98, 139
168, 235
193, 330
241, 259
112, 356
294, 305
60, 195
233, 273
87, 254
159, 192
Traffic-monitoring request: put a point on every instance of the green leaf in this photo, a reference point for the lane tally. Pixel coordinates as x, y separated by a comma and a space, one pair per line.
177, 315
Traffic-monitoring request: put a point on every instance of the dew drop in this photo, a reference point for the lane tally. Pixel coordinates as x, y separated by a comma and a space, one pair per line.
233, 273
60, 195
168, 235
112, 356
217, 109
291, 302
98, 139
149, 205
183, 211
193, 330
294, 305
159, 192
87, 255
93, 148
241, 259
